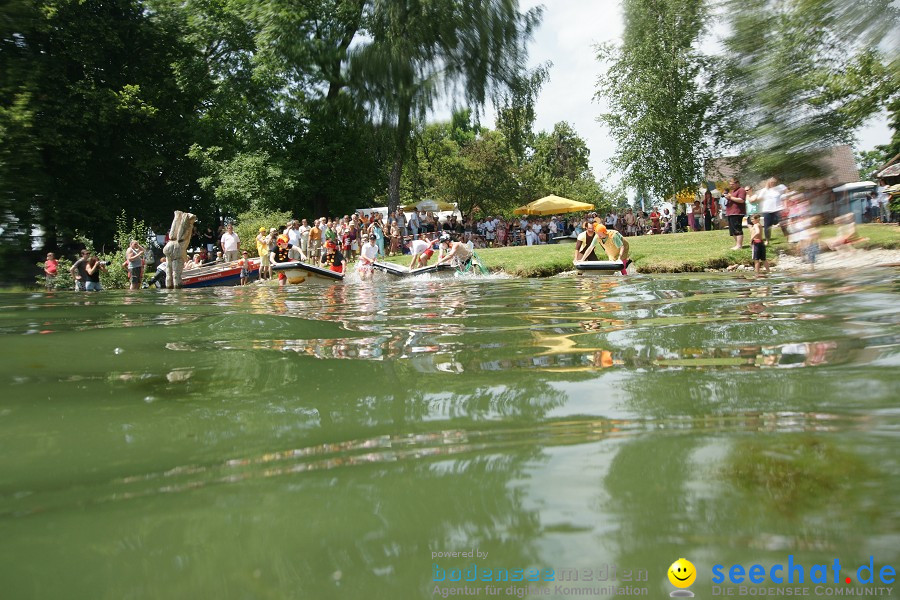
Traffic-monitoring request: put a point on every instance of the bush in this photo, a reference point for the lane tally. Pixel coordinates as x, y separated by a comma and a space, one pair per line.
248, 224
115, 276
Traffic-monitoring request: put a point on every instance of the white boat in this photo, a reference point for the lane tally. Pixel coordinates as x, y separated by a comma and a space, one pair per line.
398, 271
298, 272
599, 267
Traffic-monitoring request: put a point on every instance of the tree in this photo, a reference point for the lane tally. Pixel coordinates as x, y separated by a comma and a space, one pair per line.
516, 112
92, 119
809, 73
417, 49
660, 104
480, 175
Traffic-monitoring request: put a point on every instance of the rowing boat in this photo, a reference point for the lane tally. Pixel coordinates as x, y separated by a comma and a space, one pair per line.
217, 274
299, 272
398, 271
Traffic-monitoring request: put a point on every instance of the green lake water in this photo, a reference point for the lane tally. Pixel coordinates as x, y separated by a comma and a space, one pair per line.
324, 442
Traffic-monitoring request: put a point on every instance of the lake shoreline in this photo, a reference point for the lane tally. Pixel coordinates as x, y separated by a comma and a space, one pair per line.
696, 252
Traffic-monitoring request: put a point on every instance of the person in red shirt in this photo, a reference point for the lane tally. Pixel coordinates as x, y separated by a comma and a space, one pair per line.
654, 221
735, 208
51, 265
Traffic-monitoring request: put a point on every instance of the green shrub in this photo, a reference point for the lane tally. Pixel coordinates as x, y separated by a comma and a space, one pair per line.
115, 276
248, 223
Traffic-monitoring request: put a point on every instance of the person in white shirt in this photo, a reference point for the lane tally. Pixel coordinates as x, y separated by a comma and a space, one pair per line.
489, 232
304, 236
611, 220
367, 255
771, 204
531, 237
230, 242
884, 202
421, 252
553, 227
293, 233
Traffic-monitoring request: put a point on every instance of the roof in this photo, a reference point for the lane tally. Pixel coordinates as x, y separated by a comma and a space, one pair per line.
837, 163
891, 171
859, 185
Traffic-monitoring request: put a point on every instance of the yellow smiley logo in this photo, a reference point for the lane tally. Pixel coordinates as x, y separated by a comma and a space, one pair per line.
682, 573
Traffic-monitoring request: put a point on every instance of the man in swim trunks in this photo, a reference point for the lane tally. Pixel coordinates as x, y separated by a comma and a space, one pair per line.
457, 251
421, 251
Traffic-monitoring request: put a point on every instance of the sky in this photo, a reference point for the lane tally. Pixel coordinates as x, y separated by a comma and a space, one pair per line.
566, 37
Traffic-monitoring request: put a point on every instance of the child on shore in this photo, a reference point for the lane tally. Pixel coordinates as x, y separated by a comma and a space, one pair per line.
758, 244
245, 268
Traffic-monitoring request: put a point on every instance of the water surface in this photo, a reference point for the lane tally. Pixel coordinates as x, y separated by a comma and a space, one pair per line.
323, 442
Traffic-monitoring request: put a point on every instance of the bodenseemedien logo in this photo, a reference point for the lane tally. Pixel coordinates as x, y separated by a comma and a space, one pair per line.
682, 574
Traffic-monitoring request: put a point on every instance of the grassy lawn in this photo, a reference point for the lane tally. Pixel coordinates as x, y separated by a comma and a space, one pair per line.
678, 253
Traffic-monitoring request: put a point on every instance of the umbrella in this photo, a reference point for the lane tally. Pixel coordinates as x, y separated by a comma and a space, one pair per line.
552, 205
430, 206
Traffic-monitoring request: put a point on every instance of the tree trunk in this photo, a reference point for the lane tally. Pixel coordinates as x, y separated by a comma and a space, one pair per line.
176, 248
399, 154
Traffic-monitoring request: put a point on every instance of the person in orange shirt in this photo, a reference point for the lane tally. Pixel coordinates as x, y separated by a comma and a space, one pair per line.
315, 241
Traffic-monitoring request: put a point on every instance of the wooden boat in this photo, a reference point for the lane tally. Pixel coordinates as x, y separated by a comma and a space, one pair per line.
299, 272
398, 271
217, 274
598, 267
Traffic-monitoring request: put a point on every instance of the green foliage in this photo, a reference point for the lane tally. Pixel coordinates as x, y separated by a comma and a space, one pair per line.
808, 73
246, 180
661, 106
516, 110
249, 222
480, 174
417, 48
868, 161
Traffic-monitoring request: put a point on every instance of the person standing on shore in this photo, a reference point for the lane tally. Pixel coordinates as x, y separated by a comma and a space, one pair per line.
230, 242
51, 265
710, 209
735, 201
262, 250
134, 257
771, 205
758, 244
78, 271
315, 241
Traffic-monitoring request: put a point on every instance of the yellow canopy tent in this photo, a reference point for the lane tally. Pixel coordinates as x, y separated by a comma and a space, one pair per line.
430, 206
552, 205
686, 196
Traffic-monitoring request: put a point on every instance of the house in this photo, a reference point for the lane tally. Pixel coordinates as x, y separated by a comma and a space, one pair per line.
838, 167
837, 164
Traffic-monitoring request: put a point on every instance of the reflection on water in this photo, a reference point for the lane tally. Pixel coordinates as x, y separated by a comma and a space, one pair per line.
322, 442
